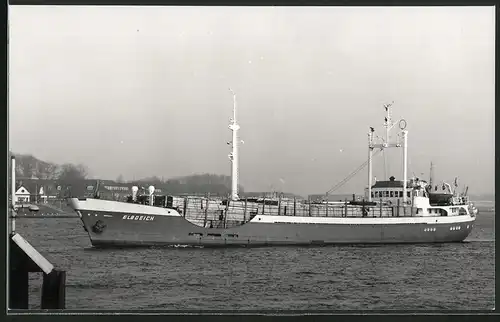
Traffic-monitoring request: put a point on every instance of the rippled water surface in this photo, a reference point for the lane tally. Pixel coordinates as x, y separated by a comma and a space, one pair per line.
439, 276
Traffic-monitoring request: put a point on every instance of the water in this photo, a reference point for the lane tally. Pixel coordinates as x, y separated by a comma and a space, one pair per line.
401, 277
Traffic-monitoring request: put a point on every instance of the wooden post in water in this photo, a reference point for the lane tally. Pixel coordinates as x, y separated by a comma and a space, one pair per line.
245, 211
309, 204
398, 207
295, 206
18, 289
185, 207
54, 290
263, 204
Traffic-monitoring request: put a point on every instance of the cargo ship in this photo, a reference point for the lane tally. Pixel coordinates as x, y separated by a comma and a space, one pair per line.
393, 211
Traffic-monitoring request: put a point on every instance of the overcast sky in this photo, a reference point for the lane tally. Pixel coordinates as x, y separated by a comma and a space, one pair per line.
143, 91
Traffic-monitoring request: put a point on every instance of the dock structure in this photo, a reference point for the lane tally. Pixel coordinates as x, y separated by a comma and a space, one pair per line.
24, 259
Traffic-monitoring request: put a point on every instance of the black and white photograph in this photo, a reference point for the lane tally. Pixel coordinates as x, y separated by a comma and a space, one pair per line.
251, 158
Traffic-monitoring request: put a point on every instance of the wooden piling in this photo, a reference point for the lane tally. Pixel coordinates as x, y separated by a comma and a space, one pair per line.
398, 207
295, 206
309, 204
54, 290
18, 289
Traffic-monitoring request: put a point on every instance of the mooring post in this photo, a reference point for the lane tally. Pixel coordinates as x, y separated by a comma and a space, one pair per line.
295, 206
18, 289
54, 290
263, 204
398, 207
309, 204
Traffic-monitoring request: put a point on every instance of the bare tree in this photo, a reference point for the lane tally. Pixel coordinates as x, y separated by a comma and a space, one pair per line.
71, 172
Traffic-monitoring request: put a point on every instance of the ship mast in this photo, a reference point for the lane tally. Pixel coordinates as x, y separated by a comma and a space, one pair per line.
233, 156
388, 124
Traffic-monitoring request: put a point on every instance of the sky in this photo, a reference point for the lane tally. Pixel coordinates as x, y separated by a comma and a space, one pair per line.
143, 91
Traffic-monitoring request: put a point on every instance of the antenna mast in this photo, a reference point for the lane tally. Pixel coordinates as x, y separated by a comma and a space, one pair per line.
388, 124
233, 156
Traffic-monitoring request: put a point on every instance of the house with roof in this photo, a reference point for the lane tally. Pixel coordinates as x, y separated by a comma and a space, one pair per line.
22, 194
40, 190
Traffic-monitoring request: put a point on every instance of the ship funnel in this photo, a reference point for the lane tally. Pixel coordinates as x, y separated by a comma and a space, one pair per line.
151, 190
134, 192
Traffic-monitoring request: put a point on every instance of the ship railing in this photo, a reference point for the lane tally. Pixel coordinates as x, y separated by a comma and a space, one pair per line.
460, 200
204, 211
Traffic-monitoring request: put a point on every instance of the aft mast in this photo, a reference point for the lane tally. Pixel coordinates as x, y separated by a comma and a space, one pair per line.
233, 156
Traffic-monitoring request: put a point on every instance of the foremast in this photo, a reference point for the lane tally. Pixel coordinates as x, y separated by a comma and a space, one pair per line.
233, 156
385, 144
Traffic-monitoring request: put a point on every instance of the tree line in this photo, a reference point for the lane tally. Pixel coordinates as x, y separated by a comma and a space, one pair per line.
28, 166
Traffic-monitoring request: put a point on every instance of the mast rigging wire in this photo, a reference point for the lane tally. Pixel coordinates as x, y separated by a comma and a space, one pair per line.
352, 174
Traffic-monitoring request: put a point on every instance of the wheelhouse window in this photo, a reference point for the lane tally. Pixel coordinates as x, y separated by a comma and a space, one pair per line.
373, 194
392, 194
408, 194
